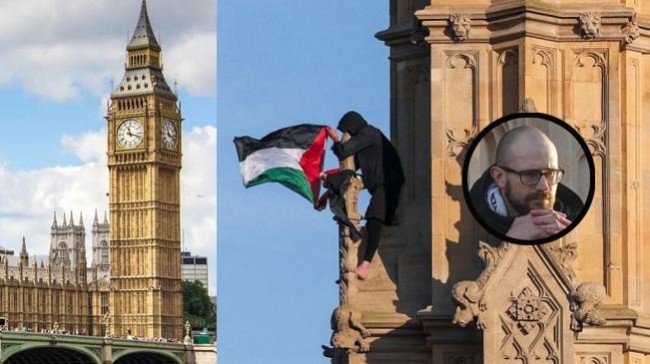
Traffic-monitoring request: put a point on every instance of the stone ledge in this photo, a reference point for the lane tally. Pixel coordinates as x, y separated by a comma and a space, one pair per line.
512, 20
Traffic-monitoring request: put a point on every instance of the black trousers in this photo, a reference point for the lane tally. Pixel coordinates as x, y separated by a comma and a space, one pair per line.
381, 211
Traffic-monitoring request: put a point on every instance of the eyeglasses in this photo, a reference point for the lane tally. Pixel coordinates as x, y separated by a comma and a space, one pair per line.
531, 177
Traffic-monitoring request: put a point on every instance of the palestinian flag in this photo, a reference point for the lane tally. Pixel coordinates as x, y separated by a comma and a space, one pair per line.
292, 156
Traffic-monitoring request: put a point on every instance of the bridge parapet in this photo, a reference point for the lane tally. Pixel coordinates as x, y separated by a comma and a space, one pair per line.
93, 349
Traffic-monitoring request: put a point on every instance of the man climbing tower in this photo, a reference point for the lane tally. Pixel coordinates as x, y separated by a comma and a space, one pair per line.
381, 172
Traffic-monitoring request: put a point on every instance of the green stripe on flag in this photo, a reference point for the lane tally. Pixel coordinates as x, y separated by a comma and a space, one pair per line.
292, 178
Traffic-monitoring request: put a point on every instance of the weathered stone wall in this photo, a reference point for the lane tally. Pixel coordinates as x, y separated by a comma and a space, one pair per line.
459, 66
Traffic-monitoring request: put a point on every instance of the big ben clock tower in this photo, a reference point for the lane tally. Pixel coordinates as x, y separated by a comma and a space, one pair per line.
144, 162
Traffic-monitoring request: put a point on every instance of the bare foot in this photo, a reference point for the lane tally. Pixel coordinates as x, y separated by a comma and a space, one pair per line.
362, 270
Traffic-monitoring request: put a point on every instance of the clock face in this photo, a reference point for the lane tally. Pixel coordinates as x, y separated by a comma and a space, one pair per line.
130, 134
169, 134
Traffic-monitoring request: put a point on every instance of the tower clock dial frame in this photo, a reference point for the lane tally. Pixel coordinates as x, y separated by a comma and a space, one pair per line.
130, 134
169, 134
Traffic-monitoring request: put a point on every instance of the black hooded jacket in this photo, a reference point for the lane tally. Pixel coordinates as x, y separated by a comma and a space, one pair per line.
374, 153
566, 201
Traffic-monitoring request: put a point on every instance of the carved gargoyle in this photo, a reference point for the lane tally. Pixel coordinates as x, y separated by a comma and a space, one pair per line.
460, 25
468, 295
348, 331
584, 303
631, 31
590, 25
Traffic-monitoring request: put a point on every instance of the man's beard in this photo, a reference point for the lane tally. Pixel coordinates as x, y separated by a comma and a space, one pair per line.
535, 200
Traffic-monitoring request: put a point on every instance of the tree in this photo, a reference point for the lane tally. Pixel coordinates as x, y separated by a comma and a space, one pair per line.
197, 307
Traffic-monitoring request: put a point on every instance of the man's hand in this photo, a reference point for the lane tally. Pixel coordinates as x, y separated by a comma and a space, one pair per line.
322, 202
333, 134
538, 224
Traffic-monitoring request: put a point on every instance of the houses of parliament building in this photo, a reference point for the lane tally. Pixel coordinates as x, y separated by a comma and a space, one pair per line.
133, 285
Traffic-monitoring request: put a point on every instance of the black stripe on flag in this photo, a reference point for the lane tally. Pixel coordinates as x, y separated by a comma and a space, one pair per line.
299, 136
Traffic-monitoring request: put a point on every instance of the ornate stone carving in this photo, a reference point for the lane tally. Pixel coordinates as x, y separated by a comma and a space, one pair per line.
593, 359
457, 145
594, 139
468, 57
584, 303
599, 58
468, 295
459, 27
503, 56
631, 31
546, 56
565, 254
527, 310
530, 324
348, 333
589, 25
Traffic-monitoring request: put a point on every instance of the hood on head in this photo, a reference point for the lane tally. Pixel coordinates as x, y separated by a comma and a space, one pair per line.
351, 123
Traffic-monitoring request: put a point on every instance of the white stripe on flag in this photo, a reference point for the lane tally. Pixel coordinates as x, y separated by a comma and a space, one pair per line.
265, 159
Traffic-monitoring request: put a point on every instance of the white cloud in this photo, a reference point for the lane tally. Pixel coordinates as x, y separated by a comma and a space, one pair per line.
193, 63
89, 147
30, 197
61, 49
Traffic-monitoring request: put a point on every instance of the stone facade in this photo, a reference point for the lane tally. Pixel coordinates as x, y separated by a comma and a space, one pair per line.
442, 289
144, 163
134, 285
49, 292
67, 242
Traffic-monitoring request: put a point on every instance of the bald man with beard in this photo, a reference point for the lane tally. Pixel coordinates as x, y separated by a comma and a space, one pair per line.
521, 195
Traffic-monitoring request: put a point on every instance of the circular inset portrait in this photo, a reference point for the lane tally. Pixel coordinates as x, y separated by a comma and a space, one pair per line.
528, 178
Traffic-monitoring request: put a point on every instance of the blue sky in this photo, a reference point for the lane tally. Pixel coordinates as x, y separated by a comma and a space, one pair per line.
281, 63
58, 60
